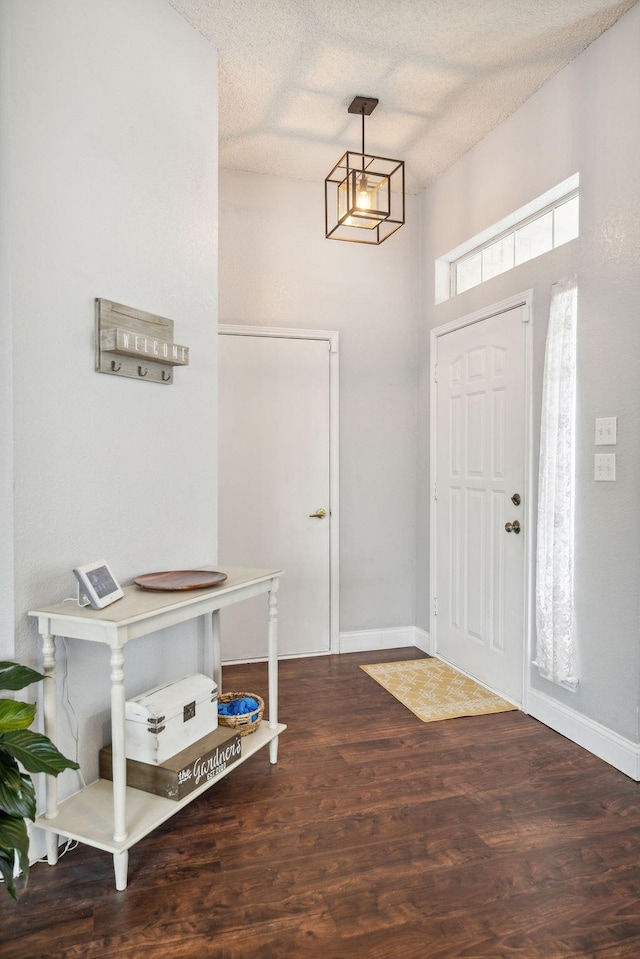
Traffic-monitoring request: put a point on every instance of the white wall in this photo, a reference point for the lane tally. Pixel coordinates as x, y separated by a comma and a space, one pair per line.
586, 120
6, 367
109, 134
277, 269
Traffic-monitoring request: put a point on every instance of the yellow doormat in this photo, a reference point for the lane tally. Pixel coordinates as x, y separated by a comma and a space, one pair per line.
433, 690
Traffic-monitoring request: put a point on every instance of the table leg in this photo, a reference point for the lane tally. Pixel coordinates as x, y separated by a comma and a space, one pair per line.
118, 751
50, 706
52, 847
216, 654
272, 643
120, 868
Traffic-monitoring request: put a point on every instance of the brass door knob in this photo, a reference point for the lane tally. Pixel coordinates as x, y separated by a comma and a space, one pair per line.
513, 527
319, 514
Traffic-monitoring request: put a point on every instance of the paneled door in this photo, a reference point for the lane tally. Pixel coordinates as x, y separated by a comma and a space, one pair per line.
480, 499
274, 486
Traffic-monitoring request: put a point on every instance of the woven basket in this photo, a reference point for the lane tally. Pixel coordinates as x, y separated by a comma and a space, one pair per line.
244, 723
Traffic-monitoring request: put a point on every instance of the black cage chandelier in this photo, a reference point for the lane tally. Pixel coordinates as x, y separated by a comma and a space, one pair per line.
364, 194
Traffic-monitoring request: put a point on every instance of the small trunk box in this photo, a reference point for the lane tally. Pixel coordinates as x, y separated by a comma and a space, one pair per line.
165, 720
184, 772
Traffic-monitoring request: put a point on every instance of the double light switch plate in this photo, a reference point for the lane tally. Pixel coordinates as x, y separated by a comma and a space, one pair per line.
604, 469
606, 429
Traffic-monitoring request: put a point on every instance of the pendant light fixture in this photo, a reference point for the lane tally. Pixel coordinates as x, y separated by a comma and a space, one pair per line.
364, 194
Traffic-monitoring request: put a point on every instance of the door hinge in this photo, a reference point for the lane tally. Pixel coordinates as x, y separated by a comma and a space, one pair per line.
435, 606
435, 490
435, 373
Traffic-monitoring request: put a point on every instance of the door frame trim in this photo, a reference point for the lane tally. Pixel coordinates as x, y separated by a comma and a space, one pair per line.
524, 299
333, 339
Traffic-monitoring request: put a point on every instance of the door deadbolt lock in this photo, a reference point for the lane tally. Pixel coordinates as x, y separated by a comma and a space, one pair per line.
319, 514
516, 499
513, 527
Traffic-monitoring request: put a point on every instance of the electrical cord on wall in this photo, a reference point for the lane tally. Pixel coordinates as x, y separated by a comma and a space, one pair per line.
72, 717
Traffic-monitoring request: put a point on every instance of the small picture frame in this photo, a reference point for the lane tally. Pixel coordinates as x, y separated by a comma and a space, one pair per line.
97, 586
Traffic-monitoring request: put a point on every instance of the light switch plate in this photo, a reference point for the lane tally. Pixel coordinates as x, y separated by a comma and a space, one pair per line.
605, 467
606, 430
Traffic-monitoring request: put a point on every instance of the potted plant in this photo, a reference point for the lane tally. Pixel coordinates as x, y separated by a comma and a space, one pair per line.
19, 746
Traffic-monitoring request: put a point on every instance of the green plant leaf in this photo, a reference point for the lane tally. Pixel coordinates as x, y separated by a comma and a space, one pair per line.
14, 676
9, 771
14, 836
7, 860
17, 795
35, 752
15, 715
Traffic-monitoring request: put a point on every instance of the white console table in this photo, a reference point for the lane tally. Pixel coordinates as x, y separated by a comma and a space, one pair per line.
110, 815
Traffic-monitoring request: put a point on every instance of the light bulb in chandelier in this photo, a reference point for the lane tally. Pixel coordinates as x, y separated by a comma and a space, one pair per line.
363, 195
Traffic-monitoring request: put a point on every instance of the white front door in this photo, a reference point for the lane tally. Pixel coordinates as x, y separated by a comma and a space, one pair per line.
480, 499
273, 462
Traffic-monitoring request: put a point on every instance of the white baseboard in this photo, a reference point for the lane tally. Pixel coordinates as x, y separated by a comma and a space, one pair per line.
422, 640
363, 640
619, 752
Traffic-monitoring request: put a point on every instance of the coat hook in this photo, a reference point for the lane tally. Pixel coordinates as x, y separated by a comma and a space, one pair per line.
140, 373
166, 376
114, 368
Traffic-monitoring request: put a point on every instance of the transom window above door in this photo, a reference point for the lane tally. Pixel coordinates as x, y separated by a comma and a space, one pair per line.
542, 225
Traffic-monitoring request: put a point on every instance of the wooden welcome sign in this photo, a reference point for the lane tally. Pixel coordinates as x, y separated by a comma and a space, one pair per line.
132, 343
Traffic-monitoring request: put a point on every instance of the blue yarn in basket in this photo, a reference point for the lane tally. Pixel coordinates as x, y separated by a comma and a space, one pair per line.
238, 707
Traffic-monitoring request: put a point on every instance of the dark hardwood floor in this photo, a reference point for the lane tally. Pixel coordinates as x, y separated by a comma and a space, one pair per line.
376, 837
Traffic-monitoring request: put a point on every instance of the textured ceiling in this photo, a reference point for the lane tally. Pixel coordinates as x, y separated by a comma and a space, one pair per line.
446, 72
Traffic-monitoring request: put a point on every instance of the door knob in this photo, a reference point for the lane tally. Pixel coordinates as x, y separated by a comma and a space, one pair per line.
319, 514
513, 527
516, 499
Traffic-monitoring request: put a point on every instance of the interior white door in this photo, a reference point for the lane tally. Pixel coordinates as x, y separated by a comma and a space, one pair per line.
273, 505
480, 462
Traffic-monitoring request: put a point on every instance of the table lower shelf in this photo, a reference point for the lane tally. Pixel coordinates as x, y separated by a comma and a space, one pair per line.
88, 815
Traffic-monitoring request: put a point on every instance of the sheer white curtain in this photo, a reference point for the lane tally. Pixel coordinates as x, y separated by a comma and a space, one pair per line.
555, 628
